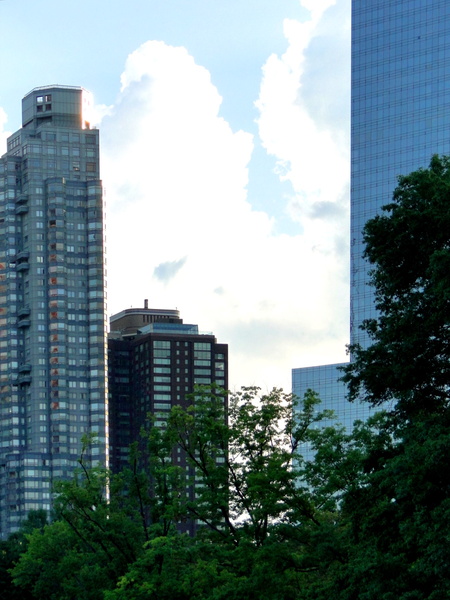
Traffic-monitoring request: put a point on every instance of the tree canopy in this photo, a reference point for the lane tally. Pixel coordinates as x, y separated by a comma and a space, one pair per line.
408, 247
400, 519
264, 531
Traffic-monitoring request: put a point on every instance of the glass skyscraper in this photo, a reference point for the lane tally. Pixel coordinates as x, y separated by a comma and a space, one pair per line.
399, 118
52, 300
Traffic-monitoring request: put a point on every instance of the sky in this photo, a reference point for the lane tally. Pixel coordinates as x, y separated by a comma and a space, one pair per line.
224, 130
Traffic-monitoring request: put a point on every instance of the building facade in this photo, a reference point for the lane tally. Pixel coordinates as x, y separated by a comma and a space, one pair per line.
154, 362
52, 300
400, 96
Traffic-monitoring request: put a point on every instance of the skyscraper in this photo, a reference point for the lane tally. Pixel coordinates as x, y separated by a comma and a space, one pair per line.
399, 118
154, 362
52, 300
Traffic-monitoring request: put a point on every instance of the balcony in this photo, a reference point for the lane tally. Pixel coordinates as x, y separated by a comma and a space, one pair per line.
25, 368
22, 261
24, 379
21, 209
23, 312
22, 323
24, 255
22, 199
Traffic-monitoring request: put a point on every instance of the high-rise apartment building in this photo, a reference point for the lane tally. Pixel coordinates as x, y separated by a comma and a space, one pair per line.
399, 118
154, 362
52, 300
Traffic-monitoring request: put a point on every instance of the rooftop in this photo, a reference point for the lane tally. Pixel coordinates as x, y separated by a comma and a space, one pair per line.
56, 85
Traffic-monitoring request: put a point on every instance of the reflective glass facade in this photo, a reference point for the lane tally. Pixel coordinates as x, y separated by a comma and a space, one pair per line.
325, 378
399, 119
52, 301
400, 112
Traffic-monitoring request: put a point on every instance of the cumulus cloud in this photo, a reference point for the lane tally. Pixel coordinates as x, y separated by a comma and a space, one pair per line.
176, 174
299, 123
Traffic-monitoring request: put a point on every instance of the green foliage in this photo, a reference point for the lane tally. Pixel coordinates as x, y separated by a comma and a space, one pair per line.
102, 522
91, 542
10, 551
367, 518
398, 516
247, 471
266, 534
399, 521
409, 248
269, 521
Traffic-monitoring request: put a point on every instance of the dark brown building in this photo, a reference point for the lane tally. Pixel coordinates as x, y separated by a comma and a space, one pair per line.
154, 362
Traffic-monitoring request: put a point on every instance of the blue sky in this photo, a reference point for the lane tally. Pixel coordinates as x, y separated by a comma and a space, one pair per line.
225, 143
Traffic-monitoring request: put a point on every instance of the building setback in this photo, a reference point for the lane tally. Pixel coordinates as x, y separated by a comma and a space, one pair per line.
52, 300
400, 94
155, 360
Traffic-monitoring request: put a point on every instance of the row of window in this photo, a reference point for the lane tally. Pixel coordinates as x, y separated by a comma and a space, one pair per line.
54, 150
64, 165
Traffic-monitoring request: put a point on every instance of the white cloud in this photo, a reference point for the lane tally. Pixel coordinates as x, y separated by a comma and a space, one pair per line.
304, 123
311, 155
176, 177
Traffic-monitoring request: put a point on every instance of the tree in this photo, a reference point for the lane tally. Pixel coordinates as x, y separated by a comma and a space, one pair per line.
270, 525
91, 543
401, 519
247, 470
10, 551
408, 247
399, 515
267, 533
101, 523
